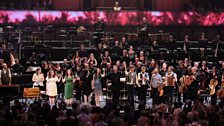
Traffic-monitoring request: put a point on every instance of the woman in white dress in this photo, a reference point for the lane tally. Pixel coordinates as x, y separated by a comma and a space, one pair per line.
38, 79
51, 86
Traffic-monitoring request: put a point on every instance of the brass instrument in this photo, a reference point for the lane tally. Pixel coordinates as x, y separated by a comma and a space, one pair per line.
212, 85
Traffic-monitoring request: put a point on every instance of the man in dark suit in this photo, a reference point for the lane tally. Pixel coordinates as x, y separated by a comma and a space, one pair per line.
116, 86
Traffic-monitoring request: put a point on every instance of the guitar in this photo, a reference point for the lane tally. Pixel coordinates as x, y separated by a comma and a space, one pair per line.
212, 85
160, 89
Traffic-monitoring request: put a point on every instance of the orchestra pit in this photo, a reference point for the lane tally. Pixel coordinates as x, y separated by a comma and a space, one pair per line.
111, 63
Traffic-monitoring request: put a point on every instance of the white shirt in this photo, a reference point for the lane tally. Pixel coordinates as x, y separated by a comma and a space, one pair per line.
146, 75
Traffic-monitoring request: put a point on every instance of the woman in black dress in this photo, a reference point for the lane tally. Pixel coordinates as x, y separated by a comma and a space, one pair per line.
87, 84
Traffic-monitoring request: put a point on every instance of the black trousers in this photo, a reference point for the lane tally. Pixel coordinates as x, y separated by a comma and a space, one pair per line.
193, 91
214, 99
142, 94
155, 96
130, 89
169, 95
115, 95
78, 91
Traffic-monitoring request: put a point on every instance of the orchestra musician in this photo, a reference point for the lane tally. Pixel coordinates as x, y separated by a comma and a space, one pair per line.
99, 25
144, 30
92, 60
116, 52
124, 57
154, 47
213, 85
142, 57
131, 82
170, 83
114, 76
180, 76
203, 43
83, 53
38, 79
143, 78
131, 54
5, 75
193, 86
187, 44
6, 55
171, 44
217, 45
123, 43
155, 83
163, 70
17, 68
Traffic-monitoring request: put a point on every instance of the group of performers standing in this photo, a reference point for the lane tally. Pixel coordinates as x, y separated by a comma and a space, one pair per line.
163, 83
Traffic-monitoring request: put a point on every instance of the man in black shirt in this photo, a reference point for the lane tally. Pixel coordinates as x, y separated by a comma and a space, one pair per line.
116, 86
17, 68
98, 30
99, 25
187, 44
83, 53
143, 31
203, 42
116, 52
6, 55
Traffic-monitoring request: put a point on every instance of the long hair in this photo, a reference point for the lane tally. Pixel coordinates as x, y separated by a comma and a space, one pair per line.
96, 73
37, 71
67, 72
49, 74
